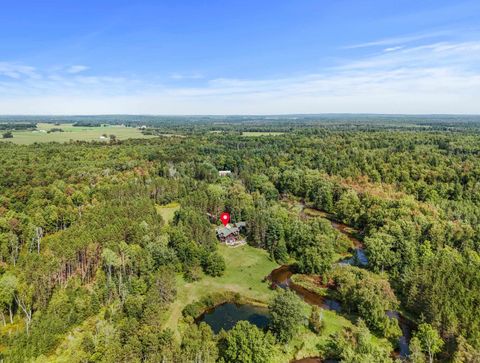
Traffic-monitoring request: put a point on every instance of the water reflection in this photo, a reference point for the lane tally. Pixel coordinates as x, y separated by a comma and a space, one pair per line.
405, 326
358, 259
225, 316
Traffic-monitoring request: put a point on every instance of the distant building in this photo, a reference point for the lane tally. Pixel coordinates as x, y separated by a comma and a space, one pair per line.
230, 233
224, 172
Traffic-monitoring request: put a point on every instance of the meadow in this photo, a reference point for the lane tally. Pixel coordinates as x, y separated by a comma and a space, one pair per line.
167, 211
245, 274
247, 268
74, 133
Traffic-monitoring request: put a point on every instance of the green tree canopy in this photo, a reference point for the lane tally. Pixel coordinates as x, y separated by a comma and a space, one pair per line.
286, 315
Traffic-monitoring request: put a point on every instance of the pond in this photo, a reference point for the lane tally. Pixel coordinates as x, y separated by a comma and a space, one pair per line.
225, 316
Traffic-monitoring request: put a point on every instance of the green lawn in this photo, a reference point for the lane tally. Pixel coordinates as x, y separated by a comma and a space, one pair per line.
73, 133
246, 269
167, 211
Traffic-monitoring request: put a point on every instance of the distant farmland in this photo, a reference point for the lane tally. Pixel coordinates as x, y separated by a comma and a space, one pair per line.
71, 132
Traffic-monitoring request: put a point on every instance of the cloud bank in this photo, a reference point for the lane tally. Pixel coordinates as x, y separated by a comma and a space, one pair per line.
438, 77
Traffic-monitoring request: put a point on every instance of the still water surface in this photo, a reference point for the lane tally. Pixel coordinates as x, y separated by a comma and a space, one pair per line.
225, 316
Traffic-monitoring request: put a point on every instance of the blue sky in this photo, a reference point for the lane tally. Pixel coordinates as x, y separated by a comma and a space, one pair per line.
239, 57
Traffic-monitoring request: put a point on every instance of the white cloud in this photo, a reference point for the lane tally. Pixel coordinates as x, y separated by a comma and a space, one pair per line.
462, 55
17, 71
398, 40
442, 77
184, 76
392, 49
77, 69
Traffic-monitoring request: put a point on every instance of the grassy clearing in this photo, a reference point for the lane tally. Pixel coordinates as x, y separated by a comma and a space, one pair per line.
311, 283
73, 133
246, 269
249, 133
260, 133
308, 344
315, 213
167, 211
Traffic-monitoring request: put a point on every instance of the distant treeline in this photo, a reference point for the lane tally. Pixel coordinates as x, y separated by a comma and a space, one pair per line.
17, 126
87, 124
311, 123
55, 129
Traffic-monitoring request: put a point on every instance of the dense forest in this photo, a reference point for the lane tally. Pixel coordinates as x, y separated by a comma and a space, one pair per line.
92, 269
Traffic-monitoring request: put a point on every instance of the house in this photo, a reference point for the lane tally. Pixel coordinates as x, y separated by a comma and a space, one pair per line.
224, 172
230, 233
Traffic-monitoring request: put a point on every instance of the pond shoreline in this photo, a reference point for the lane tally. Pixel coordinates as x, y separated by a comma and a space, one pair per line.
282, 277
243, 301
225, 316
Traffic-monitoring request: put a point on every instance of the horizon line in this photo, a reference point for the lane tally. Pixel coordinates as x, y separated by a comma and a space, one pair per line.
241, 115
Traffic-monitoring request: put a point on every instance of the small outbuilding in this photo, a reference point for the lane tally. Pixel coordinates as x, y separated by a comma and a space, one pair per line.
224, 172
